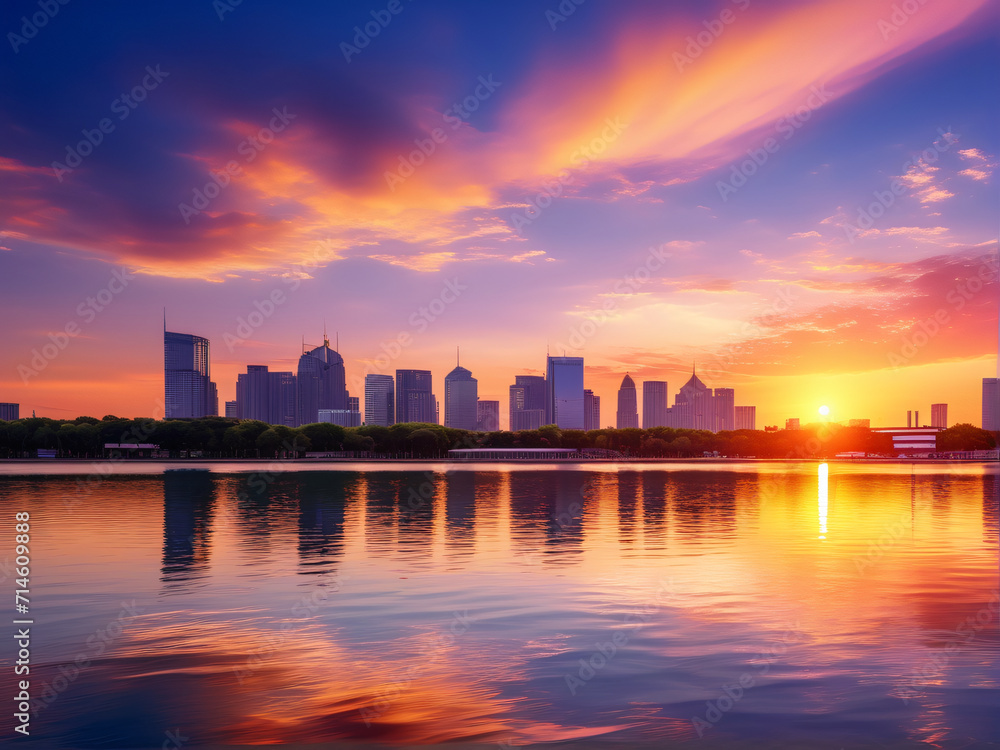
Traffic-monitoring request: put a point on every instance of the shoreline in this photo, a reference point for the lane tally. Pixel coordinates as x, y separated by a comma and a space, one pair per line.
469, 462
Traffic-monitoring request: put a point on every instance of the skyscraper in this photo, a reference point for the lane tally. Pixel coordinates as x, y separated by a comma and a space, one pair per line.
694, 406
380, 400
188, 391
231, 409
321, 383
415, 401
939, 415
266, 396
9, 412
488, 416
991, 404
745, 417
655, 400
527, 402
591, 410
564, 392
461, 393
628, 410
725, 409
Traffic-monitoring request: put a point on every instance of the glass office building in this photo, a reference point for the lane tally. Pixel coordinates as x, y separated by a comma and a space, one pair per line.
380, 400
188, 389
564, 398
461, 394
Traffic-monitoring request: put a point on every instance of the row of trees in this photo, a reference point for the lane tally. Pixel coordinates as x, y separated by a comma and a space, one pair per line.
217, 437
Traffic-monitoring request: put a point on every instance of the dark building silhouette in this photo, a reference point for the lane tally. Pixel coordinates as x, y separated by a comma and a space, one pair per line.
628, 410
266, 396
415, 400
527, 402
9, 412
321, 383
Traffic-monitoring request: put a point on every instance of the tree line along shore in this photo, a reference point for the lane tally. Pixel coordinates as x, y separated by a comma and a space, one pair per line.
219, 437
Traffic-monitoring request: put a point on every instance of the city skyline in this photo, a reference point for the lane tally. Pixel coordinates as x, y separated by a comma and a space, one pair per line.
813, 234
278, 398
534, 401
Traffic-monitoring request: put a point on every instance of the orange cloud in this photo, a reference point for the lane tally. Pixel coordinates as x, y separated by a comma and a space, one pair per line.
631, 103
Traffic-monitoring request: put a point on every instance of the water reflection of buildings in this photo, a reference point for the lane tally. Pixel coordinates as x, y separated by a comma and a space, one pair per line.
547, 511
704, 503
460, 509
991, 512
323, 499
265, 504
188, 506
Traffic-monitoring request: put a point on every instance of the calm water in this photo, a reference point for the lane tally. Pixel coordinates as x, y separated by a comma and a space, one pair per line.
767, 605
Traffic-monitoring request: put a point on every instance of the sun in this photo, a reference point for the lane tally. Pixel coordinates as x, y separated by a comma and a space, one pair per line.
824, 410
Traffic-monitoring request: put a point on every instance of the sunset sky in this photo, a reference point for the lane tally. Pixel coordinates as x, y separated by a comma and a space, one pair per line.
798, 196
